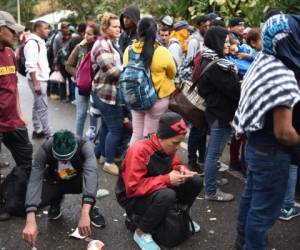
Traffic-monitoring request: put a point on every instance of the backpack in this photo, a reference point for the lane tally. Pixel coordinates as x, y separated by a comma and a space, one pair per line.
135, 88
174, 229
13, 190
20, 57
50, 52
84, 75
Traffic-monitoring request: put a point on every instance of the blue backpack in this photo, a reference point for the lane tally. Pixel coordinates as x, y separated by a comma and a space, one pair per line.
135, 89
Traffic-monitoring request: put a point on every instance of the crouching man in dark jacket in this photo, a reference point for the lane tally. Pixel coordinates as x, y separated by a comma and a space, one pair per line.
153, 179
63, 165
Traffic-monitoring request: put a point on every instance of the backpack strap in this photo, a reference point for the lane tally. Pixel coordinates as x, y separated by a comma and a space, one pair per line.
35, 41
206, 68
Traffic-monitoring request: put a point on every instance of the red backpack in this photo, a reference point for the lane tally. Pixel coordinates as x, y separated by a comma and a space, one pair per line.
197, 64
84, 75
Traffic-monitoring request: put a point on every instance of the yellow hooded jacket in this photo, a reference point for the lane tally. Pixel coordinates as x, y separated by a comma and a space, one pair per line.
163, 68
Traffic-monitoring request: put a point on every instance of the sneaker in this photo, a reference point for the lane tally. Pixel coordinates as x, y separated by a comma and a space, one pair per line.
289, 213
40, 135
145, 241
196, 227
198, 168
219, 196
54, 212
222, 181
97, 219
111, 168
101, 160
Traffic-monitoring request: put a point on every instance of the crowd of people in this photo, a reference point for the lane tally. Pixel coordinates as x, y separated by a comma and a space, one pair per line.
250, 84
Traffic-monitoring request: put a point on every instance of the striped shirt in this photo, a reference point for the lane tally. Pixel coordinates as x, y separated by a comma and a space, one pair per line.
267, 84
106, 72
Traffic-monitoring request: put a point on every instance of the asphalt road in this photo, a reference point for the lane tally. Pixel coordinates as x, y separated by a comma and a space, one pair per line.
217, 220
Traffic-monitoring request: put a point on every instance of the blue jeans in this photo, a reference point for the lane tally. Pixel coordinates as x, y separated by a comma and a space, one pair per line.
217, 142
289, 199
111, 130
264, 192
197, 142
82, 105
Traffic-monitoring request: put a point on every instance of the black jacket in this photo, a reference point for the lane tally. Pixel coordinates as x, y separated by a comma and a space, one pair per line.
220, 88
128, 36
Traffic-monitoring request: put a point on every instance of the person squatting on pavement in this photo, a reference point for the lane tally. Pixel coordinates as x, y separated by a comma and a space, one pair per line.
64, 164
265, 113
38, 70
13, 131
153, 179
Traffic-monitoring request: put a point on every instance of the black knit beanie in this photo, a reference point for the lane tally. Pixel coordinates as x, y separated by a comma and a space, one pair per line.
171, 124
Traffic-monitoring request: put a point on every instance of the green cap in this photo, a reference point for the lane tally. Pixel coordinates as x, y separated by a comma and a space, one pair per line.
64, 145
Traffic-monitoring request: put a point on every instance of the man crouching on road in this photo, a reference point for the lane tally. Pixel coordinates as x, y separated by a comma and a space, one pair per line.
63, 165
153, 179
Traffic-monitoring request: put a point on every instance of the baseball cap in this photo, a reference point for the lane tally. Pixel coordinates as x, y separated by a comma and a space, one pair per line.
236, 21
214, 16
7, 20
183, 25
167, 20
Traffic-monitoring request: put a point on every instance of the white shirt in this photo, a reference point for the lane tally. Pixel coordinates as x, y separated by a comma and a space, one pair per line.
36, 58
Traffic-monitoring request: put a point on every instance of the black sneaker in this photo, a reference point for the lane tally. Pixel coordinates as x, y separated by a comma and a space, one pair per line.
54, 212
197, 168
97, 218
39, 135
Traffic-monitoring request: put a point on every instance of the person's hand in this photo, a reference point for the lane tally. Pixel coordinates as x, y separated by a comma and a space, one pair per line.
186, 172
38, 89
30, 233
176, 178
84, 225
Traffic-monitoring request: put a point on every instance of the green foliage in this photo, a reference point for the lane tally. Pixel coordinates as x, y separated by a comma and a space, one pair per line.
252, 10
26, 7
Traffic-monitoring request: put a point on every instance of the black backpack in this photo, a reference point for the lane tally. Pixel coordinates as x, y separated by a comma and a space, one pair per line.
13, 190
20, 57
175, 228
50, 52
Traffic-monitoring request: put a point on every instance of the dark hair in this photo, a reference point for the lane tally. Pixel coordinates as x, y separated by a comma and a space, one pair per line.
253, 35
96, 28
147, 33
202, 19
218, 22
38, 24
81, 28
165, 28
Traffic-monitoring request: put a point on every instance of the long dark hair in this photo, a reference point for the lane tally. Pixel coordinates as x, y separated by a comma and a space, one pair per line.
147, 33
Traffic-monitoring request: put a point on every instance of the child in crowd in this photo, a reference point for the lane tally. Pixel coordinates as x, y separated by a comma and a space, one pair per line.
243, 55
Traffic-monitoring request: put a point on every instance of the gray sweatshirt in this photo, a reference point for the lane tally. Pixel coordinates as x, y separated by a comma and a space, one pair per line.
89, 175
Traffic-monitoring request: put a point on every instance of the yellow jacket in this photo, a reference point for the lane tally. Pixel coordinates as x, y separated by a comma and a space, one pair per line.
163, 69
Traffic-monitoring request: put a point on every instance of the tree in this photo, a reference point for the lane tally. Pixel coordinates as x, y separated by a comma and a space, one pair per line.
26, 9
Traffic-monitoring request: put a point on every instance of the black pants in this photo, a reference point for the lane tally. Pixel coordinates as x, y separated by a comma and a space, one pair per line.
153, 208
54, 191
17, 141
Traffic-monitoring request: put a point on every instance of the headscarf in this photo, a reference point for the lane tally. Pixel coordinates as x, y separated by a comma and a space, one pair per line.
270, 81
213, 48
281, 38
182, 36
